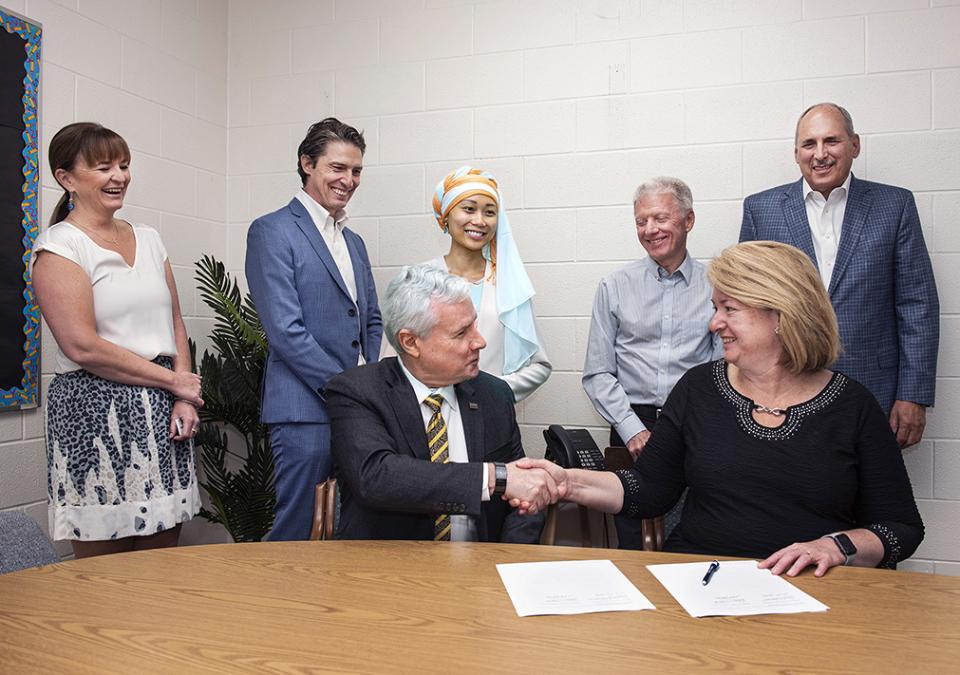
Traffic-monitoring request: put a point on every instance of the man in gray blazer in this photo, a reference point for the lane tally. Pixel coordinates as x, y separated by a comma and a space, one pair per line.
310, 278
425, 444
865, 239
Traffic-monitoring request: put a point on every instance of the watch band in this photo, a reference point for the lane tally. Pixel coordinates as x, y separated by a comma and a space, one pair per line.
846, 546
500, 476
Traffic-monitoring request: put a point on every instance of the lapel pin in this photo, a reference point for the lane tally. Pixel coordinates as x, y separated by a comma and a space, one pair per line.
473, 406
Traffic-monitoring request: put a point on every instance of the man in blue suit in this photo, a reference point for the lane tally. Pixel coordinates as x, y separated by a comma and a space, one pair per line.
310, 279
865, 239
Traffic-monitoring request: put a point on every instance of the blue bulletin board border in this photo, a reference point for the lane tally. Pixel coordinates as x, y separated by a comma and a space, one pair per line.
27, 395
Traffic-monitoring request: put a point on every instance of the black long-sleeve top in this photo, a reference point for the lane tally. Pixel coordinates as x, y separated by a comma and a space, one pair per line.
834, 464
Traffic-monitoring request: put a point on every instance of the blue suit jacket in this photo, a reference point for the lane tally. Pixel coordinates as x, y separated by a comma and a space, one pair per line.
882, 286
314, 330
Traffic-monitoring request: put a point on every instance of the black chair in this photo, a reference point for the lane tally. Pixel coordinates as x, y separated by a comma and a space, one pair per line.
23, 544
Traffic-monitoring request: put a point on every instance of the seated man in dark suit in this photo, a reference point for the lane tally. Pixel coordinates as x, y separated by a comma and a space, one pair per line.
424, 445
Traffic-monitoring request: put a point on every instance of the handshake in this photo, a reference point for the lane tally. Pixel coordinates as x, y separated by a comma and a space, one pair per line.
534, 484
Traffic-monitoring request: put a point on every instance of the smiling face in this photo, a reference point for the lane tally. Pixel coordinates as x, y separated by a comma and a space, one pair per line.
662, 228
473, 222
98, 188
824, 149
747, 332
334, 177
450, 352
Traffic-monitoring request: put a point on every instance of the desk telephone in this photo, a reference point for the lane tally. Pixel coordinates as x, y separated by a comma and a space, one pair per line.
573, 449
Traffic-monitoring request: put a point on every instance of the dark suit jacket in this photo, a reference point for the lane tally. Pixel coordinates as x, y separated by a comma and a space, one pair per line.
313, 328
882, 286
389, 487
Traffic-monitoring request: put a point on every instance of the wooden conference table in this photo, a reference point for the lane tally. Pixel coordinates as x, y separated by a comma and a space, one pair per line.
438, 607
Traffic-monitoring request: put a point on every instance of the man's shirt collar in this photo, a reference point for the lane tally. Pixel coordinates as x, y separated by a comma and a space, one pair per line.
421, 391
845, 186
319, 214
683, 272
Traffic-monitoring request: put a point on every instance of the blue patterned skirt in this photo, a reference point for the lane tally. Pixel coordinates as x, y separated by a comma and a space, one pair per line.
112, 470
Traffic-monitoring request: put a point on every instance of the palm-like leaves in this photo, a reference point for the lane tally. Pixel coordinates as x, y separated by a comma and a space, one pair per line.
243, 500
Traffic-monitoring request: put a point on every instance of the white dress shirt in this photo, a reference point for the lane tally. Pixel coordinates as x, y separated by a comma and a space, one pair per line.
826, 220
462, 528
331, 227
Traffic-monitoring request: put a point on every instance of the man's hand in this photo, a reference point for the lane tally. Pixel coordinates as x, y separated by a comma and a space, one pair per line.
638, 442
908, 419
530, 488
555, 473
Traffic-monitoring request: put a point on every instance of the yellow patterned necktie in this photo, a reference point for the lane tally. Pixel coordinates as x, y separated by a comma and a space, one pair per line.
439, 452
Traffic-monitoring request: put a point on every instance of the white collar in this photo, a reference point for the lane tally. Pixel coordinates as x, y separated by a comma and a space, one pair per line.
845, 186
319, 214
421, 391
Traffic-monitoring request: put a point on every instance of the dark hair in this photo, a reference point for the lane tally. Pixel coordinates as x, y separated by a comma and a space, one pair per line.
323, 132
92, 141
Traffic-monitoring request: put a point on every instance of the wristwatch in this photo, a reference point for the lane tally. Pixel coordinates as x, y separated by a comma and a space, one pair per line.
846, 546
500, 476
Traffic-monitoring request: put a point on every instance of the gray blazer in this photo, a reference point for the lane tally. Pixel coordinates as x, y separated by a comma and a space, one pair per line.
389, 487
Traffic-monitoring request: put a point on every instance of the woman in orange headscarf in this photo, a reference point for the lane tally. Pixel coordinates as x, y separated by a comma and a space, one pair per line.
469, 207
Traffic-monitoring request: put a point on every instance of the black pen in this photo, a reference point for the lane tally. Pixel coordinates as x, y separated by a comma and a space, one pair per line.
714, 566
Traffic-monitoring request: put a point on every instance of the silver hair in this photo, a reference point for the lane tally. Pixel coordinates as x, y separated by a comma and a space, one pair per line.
407, 301
667, 184
847, 119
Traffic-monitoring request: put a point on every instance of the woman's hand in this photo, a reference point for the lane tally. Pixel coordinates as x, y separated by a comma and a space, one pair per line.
186, 386
793, 559
189, 421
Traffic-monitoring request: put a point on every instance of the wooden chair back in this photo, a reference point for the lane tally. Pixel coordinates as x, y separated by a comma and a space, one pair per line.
652, 529
324, 510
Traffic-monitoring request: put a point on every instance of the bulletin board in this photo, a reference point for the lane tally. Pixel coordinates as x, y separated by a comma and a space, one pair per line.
19, 210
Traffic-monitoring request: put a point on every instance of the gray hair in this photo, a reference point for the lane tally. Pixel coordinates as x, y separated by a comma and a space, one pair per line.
847, 119
407, 301
667, 184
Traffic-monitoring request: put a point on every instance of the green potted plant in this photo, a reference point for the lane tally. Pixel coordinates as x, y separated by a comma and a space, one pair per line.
240, 486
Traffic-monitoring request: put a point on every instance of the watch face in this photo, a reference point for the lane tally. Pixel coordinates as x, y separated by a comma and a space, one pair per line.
843, 541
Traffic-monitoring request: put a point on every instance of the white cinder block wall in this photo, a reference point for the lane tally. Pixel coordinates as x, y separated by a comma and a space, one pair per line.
570, 103
155, 72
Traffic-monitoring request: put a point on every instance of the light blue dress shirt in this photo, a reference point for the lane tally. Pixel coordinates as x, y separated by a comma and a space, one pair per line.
648, 328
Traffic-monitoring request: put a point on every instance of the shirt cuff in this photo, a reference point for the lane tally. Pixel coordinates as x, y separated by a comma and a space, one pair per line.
485, 495
629, 427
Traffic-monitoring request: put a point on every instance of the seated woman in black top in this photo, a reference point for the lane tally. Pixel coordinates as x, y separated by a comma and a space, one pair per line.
785, 460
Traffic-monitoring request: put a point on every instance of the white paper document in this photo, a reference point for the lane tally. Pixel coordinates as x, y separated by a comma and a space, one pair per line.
737, 588
570, 587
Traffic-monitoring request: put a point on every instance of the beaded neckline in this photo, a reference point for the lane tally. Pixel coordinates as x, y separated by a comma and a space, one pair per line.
793, 416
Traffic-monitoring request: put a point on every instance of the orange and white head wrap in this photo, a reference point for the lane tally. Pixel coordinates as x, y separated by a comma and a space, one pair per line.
513, 288
460, 184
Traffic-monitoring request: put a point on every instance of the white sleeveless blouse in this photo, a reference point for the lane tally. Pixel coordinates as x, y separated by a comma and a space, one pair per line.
132, 304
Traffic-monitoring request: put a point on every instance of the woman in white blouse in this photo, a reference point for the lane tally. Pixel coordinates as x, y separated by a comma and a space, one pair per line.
469, 207
122, 410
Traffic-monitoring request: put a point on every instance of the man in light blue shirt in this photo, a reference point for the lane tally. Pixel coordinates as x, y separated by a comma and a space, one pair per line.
649, 325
